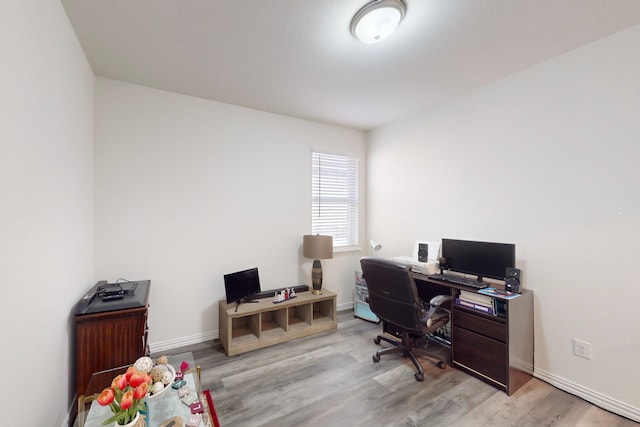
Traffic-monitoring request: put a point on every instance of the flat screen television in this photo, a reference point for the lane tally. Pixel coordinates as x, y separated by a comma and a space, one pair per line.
242, 286
482, 259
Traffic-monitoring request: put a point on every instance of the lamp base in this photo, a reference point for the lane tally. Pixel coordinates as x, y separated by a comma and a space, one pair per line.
316, 277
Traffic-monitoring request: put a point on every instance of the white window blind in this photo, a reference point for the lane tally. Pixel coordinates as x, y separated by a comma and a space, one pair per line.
335, 198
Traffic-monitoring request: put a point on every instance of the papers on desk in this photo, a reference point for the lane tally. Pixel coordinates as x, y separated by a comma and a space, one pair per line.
492, 292
416, 266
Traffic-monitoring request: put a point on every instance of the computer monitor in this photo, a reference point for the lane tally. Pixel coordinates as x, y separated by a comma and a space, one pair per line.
242, 286
482, 259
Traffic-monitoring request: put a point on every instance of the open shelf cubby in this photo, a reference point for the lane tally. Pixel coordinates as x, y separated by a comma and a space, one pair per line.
258, 325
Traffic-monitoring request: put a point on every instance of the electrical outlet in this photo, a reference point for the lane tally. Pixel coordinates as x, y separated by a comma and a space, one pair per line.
582, 349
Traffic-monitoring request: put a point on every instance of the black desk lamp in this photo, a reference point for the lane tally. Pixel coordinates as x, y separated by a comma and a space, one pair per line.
317, 247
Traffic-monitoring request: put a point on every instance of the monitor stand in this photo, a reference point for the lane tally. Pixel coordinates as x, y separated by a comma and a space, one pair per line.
240, 301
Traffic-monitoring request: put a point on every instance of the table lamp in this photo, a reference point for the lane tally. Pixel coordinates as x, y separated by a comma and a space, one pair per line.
317, 247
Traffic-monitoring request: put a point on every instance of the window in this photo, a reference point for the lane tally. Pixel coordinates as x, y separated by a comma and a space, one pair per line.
335, 198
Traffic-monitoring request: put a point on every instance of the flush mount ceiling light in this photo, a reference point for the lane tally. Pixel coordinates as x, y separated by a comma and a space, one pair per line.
377, 20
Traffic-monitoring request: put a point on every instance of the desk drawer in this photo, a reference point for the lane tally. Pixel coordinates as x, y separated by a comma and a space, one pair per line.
482, 325
480, 354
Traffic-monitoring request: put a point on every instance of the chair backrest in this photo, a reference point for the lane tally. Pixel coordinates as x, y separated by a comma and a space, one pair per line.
393, 295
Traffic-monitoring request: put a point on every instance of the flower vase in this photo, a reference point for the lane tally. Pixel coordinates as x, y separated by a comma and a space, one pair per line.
132, 423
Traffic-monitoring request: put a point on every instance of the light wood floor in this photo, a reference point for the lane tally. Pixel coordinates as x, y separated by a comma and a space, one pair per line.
330, 380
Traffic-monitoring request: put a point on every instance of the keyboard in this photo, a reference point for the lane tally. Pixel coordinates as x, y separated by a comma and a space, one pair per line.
450, 278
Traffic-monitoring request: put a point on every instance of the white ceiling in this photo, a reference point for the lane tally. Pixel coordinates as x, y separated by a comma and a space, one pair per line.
298, 57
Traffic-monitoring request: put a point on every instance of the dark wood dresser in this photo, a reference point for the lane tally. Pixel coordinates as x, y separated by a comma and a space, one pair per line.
110, 336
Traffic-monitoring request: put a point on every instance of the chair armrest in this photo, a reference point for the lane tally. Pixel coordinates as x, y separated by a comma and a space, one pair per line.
438, 300
434, 305
429, 308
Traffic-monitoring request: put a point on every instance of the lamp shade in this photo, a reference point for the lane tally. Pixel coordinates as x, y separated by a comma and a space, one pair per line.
375, 245
317, 246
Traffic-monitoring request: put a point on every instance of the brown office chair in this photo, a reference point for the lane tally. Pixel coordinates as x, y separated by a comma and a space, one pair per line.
393, 297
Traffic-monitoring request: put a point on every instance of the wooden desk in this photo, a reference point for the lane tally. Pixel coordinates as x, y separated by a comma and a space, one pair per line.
496, 349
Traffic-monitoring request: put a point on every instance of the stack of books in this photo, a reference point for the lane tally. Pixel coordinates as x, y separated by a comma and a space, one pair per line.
478, 302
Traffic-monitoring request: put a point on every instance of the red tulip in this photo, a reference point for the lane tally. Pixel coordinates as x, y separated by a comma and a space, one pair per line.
106, 397
141, 391
148, 379
137, 378
119, 382
130, 372
127, 400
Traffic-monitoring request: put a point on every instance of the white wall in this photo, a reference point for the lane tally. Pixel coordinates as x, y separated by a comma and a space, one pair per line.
187, 190
555, 147
46, 240
548, 159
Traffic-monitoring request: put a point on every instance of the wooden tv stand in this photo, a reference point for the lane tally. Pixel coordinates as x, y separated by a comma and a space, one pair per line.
261, 324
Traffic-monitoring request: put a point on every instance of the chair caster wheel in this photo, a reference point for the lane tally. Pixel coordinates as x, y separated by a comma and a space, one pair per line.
419, 377
442, 365
376, 358
376, 340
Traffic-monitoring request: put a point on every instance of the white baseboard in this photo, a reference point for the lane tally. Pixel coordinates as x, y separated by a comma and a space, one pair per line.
160, 346
604, 402
345, 306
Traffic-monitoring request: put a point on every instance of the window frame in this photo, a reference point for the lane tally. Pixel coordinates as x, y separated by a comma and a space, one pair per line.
334, 188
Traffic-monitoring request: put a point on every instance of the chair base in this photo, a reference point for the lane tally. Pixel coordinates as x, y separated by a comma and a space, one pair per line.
408, 348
